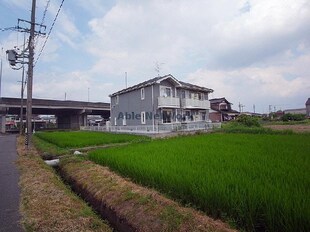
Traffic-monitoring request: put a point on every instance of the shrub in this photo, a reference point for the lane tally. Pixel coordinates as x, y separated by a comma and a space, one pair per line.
248, 121
293, 117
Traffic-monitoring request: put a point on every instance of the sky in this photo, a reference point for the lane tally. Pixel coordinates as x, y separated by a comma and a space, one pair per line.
252, 52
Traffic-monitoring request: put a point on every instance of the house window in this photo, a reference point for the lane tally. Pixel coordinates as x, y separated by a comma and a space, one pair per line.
142, 94
168, 92
167, 116
117, 99
143, 117
165, 91
203, 116
182, 93
188, 116
195, 96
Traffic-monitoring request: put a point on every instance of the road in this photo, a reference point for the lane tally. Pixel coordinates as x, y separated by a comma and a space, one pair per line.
9, 189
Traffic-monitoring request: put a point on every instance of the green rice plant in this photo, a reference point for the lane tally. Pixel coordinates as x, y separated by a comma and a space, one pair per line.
235, 127
260, 181
78, 139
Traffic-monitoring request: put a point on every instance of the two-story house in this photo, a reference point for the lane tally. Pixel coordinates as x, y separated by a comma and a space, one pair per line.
221, 110
161, 100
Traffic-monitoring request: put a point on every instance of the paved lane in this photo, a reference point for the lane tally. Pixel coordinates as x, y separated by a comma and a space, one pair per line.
9, 189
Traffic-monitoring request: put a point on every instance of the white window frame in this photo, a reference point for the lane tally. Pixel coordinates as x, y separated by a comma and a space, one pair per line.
116, 99
163, 93
181, 94
142, 93
124, 121
143, 120
115, 121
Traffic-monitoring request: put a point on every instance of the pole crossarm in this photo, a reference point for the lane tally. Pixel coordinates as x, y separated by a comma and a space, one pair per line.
22, 29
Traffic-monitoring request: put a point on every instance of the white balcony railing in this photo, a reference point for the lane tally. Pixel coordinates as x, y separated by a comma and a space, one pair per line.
173, 102
195, 103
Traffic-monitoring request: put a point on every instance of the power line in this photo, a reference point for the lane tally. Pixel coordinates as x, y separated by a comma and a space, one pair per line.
45, 10
8, 29
43, 17
48, 35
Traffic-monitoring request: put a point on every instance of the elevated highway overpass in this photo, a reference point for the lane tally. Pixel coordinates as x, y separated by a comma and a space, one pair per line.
69, 114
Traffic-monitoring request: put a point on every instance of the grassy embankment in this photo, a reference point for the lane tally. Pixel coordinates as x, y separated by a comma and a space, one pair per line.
261, 181
47, 204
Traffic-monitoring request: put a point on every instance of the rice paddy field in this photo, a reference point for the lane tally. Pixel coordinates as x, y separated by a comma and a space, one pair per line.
78, 139
259, 182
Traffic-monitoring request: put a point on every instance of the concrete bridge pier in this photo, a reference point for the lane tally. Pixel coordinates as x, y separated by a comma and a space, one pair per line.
2, 119
2, 124
71, 120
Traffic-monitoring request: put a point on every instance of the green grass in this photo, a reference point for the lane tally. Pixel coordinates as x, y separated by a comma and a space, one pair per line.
303, 122
233, 127
79, 139
260, 181
48, 149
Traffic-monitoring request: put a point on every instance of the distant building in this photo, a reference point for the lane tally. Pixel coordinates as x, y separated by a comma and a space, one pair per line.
279, 114
295, 111
252, 114
308, 107
221, 110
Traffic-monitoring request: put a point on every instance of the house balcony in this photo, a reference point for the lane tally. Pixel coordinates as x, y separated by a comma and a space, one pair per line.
169, 102
188, 103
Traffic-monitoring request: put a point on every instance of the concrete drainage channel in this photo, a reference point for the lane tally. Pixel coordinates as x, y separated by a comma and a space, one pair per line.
106, 212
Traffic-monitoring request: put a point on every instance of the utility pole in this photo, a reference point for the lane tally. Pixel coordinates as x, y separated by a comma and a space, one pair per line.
13, 57
241, 107
21, 121
30, 74
1, 71
254, 108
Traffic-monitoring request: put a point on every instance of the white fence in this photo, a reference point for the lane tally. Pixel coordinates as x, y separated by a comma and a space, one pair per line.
162, 128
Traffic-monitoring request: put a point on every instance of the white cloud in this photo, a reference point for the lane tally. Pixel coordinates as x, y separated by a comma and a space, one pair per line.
278, 85
74, 84
178, 32
243, 48
253, 51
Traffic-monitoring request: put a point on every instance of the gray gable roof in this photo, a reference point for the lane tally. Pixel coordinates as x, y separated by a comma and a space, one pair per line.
179, 84
219, 100
185, 85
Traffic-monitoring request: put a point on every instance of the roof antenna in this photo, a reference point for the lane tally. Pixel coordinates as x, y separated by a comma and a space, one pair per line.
158, 67
126, 79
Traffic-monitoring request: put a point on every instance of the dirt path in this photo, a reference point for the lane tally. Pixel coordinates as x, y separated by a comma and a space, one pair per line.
296, 128
47, 204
